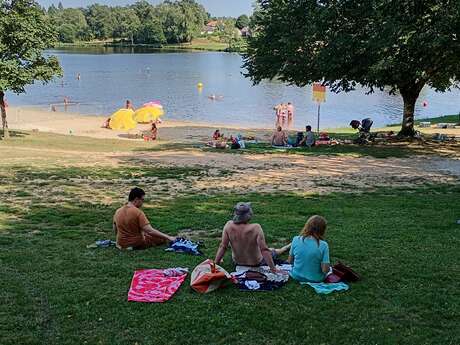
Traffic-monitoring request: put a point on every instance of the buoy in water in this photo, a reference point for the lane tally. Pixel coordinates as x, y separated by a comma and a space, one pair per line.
425, 103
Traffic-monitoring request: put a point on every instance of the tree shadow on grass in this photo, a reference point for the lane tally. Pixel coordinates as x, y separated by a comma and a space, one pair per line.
14, 134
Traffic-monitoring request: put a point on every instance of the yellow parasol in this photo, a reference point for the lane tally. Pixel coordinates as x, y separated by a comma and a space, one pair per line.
149, 113
123, 120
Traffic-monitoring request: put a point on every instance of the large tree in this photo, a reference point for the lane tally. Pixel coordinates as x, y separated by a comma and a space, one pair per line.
101, 19
25, 32
242, 21
392, 45
127, 23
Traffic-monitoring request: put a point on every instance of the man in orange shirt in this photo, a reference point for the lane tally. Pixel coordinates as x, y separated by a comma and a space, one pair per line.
132, 227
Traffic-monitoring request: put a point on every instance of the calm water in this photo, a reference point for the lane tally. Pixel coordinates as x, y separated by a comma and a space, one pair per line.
110, 77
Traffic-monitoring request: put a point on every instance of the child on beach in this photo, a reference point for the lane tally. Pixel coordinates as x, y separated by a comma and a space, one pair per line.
309, 254
152, 134
106, 124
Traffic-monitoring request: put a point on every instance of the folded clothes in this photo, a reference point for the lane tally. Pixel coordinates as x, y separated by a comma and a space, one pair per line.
258, 281
327, 288
182, 245
175, 272
102, 244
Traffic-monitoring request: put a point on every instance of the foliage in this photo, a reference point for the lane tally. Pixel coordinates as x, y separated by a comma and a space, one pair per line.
101, 19
379, 44
150, 33
180, 21
242, 21
25, 32
127, 23
70, 23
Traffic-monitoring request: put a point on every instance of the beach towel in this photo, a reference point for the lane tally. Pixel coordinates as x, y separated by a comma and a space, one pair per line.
327, 288
155, 286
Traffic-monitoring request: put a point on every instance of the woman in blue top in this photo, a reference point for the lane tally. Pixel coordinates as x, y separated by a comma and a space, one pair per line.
309, 254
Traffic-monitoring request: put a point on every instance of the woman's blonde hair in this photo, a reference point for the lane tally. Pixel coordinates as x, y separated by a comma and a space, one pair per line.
315, 227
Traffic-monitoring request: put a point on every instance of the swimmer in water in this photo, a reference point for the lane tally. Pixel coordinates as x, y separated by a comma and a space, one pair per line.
215, 97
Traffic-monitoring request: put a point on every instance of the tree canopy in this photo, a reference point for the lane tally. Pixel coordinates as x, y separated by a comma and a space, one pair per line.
25, 32
242, 21
179, 21
397, 46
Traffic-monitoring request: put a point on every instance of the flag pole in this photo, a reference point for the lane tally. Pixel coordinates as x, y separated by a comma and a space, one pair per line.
319, 107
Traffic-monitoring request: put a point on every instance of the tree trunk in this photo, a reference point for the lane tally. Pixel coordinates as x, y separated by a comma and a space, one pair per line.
410, 95
6, 132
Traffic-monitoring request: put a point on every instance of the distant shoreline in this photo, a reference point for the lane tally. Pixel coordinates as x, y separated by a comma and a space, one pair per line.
199, 45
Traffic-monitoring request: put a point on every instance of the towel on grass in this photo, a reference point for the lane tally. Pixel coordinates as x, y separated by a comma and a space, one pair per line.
182, 245
154, 286
327, 288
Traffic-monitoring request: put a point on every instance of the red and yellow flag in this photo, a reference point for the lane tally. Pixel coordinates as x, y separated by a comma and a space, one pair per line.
319, 93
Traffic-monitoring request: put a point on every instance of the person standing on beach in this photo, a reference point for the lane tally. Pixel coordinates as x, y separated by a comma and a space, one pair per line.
129, 105
277, 109
290, 113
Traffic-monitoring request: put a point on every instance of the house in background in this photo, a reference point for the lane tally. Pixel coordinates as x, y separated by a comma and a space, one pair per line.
211, 27
245, 32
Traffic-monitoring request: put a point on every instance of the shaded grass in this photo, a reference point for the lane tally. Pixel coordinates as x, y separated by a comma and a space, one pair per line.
75, 143
404, 242
376, 151
22, 173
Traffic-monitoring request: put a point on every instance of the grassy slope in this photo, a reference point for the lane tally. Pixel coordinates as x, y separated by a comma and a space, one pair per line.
441, 119
56, 291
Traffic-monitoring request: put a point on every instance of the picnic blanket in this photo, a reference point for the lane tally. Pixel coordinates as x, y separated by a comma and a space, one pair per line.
327, 288
155, 285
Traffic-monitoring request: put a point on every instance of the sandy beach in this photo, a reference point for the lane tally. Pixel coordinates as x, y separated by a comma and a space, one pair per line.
31, 119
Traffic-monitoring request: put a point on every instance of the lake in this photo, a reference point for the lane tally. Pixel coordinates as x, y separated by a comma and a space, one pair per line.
111, 76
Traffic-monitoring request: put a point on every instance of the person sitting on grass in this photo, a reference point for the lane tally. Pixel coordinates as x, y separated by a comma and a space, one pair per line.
279, 138
247, 241
133, 229
309, 254
309, 139
217, 135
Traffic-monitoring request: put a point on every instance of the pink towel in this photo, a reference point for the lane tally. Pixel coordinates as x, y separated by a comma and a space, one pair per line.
153, 286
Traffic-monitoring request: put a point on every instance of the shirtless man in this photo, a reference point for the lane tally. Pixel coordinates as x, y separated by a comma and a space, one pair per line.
247, 240
279, 138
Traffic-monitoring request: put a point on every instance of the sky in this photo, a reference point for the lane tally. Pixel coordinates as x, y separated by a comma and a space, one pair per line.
217, 8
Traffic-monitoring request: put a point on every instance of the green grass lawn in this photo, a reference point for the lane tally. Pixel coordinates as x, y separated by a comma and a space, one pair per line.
441, 119
56, 291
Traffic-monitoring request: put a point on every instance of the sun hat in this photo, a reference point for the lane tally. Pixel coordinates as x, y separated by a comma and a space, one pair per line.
242, 212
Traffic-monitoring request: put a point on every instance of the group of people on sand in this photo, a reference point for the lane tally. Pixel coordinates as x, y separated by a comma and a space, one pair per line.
280, 138
152, 133
284, 114
308, 252
220, 141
